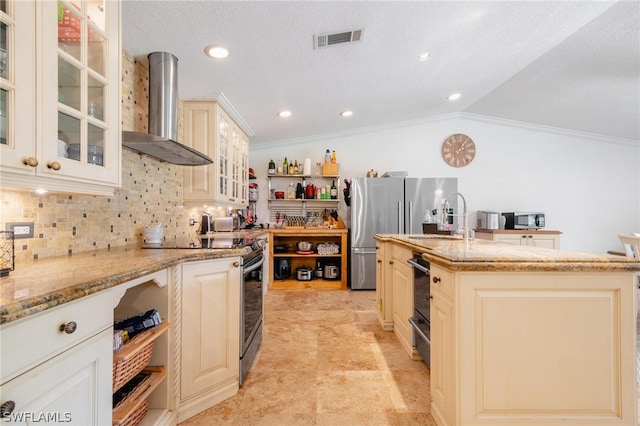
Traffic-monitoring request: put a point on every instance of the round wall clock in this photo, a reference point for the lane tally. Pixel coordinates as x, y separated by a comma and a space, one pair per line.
458, 150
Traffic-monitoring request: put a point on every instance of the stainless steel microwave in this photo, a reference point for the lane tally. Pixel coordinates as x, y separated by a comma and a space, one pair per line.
523, 220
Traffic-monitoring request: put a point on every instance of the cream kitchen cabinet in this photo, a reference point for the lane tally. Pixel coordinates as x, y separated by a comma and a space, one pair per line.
57, 364
443, 333
541, 238
384, 286
68, 89
209, 129
207, 318
402, 295
542, 347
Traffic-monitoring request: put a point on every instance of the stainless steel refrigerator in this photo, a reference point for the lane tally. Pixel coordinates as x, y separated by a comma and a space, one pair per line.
392, 205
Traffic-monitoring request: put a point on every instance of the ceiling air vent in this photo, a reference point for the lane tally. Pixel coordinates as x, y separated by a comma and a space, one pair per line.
329, 39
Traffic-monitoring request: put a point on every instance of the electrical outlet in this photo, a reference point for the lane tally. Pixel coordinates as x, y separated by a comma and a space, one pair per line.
21, 229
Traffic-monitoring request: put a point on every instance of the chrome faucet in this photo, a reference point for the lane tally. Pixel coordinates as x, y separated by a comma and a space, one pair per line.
445, 215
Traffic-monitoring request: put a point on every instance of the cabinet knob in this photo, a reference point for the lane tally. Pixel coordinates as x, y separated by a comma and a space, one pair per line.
54, 165
31, 161
236, 264
436, 280
524, 236
7, 408
391, 262
69, 327
379, 261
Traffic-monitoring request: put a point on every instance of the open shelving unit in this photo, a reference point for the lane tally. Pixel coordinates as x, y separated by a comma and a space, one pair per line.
291, 236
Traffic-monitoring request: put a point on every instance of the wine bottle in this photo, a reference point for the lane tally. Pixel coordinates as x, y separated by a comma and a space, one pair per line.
272, 167
285, 167
295, 167
334, 190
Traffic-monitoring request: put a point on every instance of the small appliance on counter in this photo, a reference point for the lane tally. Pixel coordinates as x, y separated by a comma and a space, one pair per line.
523, 220
224, 224
488, 220
206, 223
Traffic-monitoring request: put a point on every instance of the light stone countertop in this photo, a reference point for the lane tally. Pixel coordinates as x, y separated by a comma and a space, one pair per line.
484, 255
38, 285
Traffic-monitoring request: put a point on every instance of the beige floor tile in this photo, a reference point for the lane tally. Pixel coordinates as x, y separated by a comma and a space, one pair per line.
324, 360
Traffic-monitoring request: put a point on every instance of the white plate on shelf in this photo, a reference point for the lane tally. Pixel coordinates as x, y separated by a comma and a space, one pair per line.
304, 252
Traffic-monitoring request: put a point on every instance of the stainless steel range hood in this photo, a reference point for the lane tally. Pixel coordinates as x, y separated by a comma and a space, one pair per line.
161, 141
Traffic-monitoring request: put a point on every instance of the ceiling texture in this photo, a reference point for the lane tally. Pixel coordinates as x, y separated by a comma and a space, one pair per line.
573, 65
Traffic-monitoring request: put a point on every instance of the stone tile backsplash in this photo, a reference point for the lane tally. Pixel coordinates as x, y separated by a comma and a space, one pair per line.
151, 193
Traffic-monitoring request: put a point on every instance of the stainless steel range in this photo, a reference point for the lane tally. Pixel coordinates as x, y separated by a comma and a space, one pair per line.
251, 303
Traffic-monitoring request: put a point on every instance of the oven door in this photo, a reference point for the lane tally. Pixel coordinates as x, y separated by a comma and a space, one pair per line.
250, 312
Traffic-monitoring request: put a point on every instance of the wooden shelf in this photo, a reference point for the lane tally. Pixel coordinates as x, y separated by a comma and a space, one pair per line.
292, 236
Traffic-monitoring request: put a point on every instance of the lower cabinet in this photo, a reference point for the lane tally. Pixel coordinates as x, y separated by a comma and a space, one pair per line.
523, 348
442, 350
543, 238
73, 387
56, 365
402, 295
384, 286
207, 316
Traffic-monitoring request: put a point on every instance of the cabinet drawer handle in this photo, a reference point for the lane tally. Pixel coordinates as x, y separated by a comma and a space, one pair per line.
54, 165
31, 161
436, 280
236, 264
7, 408
69, 327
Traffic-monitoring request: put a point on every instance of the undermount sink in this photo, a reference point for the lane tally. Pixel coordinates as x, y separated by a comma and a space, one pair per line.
435, 237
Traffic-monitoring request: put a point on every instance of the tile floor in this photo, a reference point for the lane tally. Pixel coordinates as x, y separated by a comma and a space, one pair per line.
325, 360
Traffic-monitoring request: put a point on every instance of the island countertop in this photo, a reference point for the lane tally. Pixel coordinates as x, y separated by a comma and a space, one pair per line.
483, 255
38, 285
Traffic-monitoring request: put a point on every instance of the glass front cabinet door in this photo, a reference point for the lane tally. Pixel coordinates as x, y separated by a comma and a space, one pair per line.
76, 146
17, 86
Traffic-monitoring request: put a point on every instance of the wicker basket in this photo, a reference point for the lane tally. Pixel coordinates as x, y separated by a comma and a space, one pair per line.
135, 355
132, 409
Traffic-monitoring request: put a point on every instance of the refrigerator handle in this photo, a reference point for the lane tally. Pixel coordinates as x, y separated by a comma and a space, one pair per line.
400, 218
410, 216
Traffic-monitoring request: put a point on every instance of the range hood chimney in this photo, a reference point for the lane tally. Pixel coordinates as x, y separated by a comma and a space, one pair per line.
161, 141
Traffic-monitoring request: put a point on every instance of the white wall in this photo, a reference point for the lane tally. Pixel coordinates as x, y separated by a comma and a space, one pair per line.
588, 186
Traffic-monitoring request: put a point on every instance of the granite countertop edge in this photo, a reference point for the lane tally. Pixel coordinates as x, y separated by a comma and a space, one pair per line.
51, 282
485, 255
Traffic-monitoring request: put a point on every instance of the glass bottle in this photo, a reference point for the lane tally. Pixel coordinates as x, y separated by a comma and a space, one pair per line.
272, 167
334, 191
333, 157
295, 167
285, 167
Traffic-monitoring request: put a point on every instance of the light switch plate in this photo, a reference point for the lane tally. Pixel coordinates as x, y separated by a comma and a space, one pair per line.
21, 229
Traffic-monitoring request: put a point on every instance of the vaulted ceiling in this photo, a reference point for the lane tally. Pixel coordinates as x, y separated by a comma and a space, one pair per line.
571, 65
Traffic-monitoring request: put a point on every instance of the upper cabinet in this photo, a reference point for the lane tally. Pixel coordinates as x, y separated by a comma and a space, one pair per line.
209, 129
60, 105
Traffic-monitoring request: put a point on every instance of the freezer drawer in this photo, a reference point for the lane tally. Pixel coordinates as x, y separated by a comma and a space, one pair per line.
422, 338
363, 269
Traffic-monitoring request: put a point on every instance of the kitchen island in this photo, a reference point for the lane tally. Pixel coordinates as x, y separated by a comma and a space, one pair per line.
528, 336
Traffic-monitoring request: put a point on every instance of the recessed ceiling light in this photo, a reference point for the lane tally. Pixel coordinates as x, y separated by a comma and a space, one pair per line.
41, 191
424, 57
346, 113
284, 114
454, 96
217, 52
